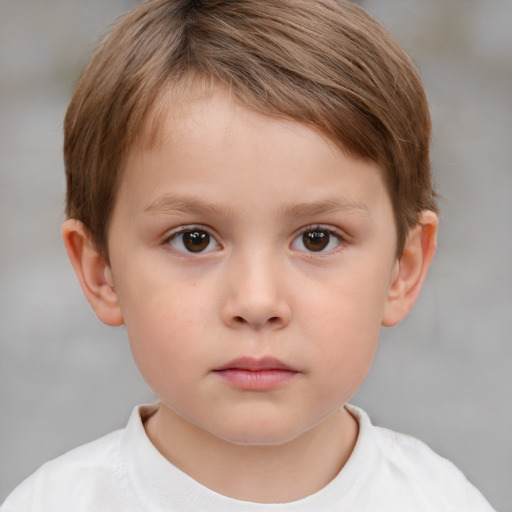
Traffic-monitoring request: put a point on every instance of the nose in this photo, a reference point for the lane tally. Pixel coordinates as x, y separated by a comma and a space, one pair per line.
256, 295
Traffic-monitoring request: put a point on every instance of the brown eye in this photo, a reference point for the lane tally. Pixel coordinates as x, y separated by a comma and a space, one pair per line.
316, 240
193, 241
196, 241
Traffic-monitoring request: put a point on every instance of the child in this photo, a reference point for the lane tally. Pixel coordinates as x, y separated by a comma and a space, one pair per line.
249, 193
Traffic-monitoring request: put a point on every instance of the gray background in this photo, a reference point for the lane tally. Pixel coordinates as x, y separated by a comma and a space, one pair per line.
442, 375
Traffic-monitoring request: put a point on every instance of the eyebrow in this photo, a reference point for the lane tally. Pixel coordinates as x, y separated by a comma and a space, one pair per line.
173, 204
323, 207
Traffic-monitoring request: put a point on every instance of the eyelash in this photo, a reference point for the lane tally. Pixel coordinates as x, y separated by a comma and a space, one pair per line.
319, 228
190, 229
298, 239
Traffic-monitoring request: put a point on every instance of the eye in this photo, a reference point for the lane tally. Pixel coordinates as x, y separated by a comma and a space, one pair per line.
317, 240
193, 240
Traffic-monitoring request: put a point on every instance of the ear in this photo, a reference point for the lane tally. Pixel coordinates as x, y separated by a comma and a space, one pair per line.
93, 273
411, 269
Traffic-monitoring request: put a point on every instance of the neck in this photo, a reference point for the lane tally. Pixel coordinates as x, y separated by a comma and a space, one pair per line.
264, 474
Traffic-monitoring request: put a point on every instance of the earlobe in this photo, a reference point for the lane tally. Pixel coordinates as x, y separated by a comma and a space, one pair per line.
411, 269
94, 275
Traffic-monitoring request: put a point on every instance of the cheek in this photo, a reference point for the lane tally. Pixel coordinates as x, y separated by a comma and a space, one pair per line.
344, 320
165, 330
349, 357
348, 306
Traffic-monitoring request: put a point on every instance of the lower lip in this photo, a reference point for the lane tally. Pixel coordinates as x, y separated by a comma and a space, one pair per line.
256, 380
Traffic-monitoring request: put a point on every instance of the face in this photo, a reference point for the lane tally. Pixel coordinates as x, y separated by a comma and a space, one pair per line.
252, 262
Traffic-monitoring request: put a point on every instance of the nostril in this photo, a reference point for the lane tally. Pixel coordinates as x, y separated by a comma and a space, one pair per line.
274, 320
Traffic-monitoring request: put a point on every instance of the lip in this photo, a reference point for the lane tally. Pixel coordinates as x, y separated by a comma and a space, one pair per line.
252, 374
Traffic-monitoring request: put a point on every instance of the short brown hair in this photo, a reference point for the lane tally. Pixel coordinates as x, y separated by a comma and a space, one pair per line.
326, 63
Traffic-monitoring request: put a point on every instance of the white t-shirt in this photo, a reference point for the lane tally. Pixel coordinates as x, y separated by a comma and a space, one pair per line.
124, 472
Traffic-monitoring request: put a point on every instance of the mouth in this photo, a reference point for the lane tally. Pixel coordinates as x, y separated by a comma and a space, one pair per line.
256, 374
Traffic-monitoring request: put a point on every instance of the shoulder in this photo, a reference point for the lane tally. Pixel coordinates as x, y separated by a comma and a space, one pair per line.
418, 460
407, 467
70, 481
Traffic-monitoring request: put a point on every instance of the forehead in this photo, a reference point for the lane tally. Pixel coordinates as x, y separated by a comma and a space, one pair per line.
192, 97
187, 96
209, 142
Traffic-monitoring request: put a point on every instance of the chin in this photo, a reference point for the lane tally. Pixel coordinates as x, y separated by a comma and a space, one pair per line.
259, 434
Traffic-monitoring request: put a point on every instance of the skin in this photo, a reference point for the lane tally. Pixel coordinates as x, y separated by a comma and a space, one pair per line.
249, 187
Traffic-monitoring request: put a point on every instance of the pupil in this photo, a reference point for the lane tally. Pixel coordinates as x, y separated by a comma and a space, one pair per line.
196, 241
316, 240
